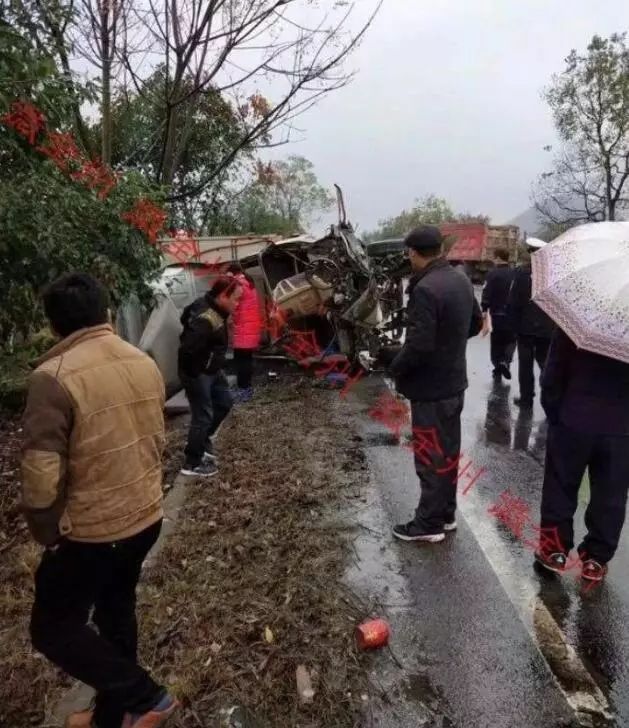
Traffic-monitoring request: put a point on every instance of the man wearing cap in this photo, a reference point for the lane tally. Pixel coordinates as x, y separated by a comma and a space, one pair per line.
533, 328
431, 372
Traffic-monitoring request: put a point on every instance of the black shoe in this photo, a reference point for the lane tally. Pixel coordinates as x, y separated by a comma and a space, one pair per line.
504, 370
497, 375
523, 403
411, 532
552, 562
204, 470
210, 457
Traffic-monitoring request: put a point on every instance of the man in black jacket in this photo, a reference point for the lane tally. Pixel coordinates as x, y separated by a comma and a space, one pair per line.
431, 372
494, 301
532, 326
202, 349
586, 399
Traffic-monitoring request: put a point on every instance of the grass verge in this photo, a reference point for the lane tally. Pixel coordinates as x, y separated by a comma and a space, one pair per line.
247, 587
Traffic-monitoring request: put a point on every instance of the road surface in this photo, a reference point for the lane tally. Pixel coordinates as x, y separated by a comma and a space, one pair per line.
480, 639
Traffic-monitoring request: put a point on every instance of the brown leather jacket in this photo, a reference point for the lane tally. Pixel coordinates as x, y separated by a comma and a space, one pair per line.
94, 436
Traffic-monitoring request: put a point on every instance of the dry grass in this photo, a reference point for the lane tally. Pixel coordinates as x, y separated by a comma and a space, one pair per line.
27, 682
256, 548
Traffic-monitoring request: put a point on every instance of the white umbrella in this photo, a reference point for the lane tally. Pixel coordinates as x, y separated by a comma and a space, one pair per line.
581, 280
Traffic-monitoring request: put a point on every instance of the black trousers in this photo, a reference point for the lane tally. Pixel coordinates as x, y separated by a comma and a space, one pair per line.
531, 349
437, 448
243, 364
69, 582
210, 402
568, 454
502, 346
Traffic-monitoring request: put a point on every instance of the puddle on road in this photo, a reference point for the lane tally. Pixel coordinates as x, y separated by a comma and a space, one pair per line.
417, 687
402, 697
582, 693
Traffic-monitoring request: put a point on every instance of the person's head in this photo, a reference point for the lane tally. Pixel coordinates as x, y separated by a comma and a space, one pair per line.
75, 301
236, 269
225, 293
423, 245
502, 255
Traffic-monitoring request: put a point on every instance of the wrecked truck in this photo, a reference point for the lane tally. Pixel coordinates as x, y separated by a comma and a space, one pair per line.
351, 301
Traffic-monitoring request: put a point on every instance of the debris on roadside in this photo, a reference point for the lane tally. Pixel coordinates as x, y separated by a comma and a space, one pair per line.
265, 552
372, 634
246, 589
237, 717
268, 635
304, 685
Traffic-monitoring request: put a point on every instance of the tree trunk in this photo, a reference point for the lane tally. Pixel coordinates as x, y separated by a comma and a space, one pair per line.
611, 210
166, 172
168, 158
611, 207
106, 114
106, 81
62, 52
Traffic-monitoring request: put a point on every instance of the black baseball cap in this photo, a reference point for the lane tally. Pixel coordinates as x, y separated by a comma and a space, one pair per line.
424, 237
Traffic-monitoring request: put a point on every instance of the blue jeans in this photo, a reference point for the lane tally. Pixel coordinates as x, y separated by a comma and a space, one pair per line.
210, 402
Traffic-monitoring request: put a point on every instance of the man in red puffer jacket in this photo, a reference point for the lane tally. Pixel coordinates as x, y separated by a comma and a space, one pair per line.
247, 322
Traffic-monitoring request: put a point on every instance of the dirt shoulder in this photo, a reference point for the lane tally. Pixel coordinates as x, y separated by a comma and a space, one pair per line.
27, 681
247, 586
29, 685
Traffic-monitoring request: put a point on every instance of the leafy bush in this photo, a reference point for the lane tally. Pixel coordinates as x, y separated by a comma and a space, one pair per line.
50, 222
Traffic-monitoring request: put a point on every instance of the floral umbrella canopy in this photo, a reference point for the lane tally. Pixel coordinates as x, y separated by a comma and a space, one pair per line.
581, 280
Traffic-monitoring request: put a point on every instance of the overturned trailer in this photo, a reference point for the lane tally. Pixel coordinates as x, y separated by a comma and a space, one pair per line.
350, 301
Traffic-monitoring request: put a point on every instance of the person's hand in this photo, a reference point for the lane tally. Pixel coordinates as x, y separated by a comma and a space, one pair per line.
486, 325
54, 546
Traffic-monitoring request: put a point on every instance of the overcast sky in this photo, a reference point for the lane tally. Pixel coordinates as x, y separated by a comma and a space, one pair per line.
448, 101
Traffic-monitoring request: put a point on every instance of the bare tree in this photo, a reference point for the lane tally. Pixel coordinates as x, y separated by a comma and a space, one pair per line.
269, 60
573, 192
590, 104
233, 47
97, 36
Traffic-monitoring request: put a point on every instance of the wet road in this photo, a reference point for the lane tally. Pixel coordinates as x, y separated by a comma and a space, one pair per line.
483, 639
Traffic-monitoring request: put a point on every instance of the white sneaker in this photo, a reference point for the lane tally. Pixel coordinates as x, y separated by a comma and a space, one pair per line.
452, 526
410, 532
204, 470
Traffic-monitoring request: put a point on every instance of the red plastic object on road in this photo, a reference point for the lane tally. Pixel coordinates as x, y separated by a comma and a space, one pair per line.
372, 634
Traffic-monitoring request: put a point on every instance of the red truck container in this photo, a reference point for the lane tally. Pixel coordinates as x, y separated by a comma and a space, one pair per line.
474, 244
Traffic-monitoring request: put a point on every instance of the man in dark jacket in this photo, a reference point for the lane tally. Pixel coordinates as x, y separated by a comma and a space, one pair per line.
494, 302
586, 399
431, 372
532, 326
202, 349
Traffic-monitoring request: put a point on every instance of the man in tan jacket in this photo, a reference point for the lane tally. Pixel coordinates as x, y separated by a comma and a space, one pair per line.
92, 495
